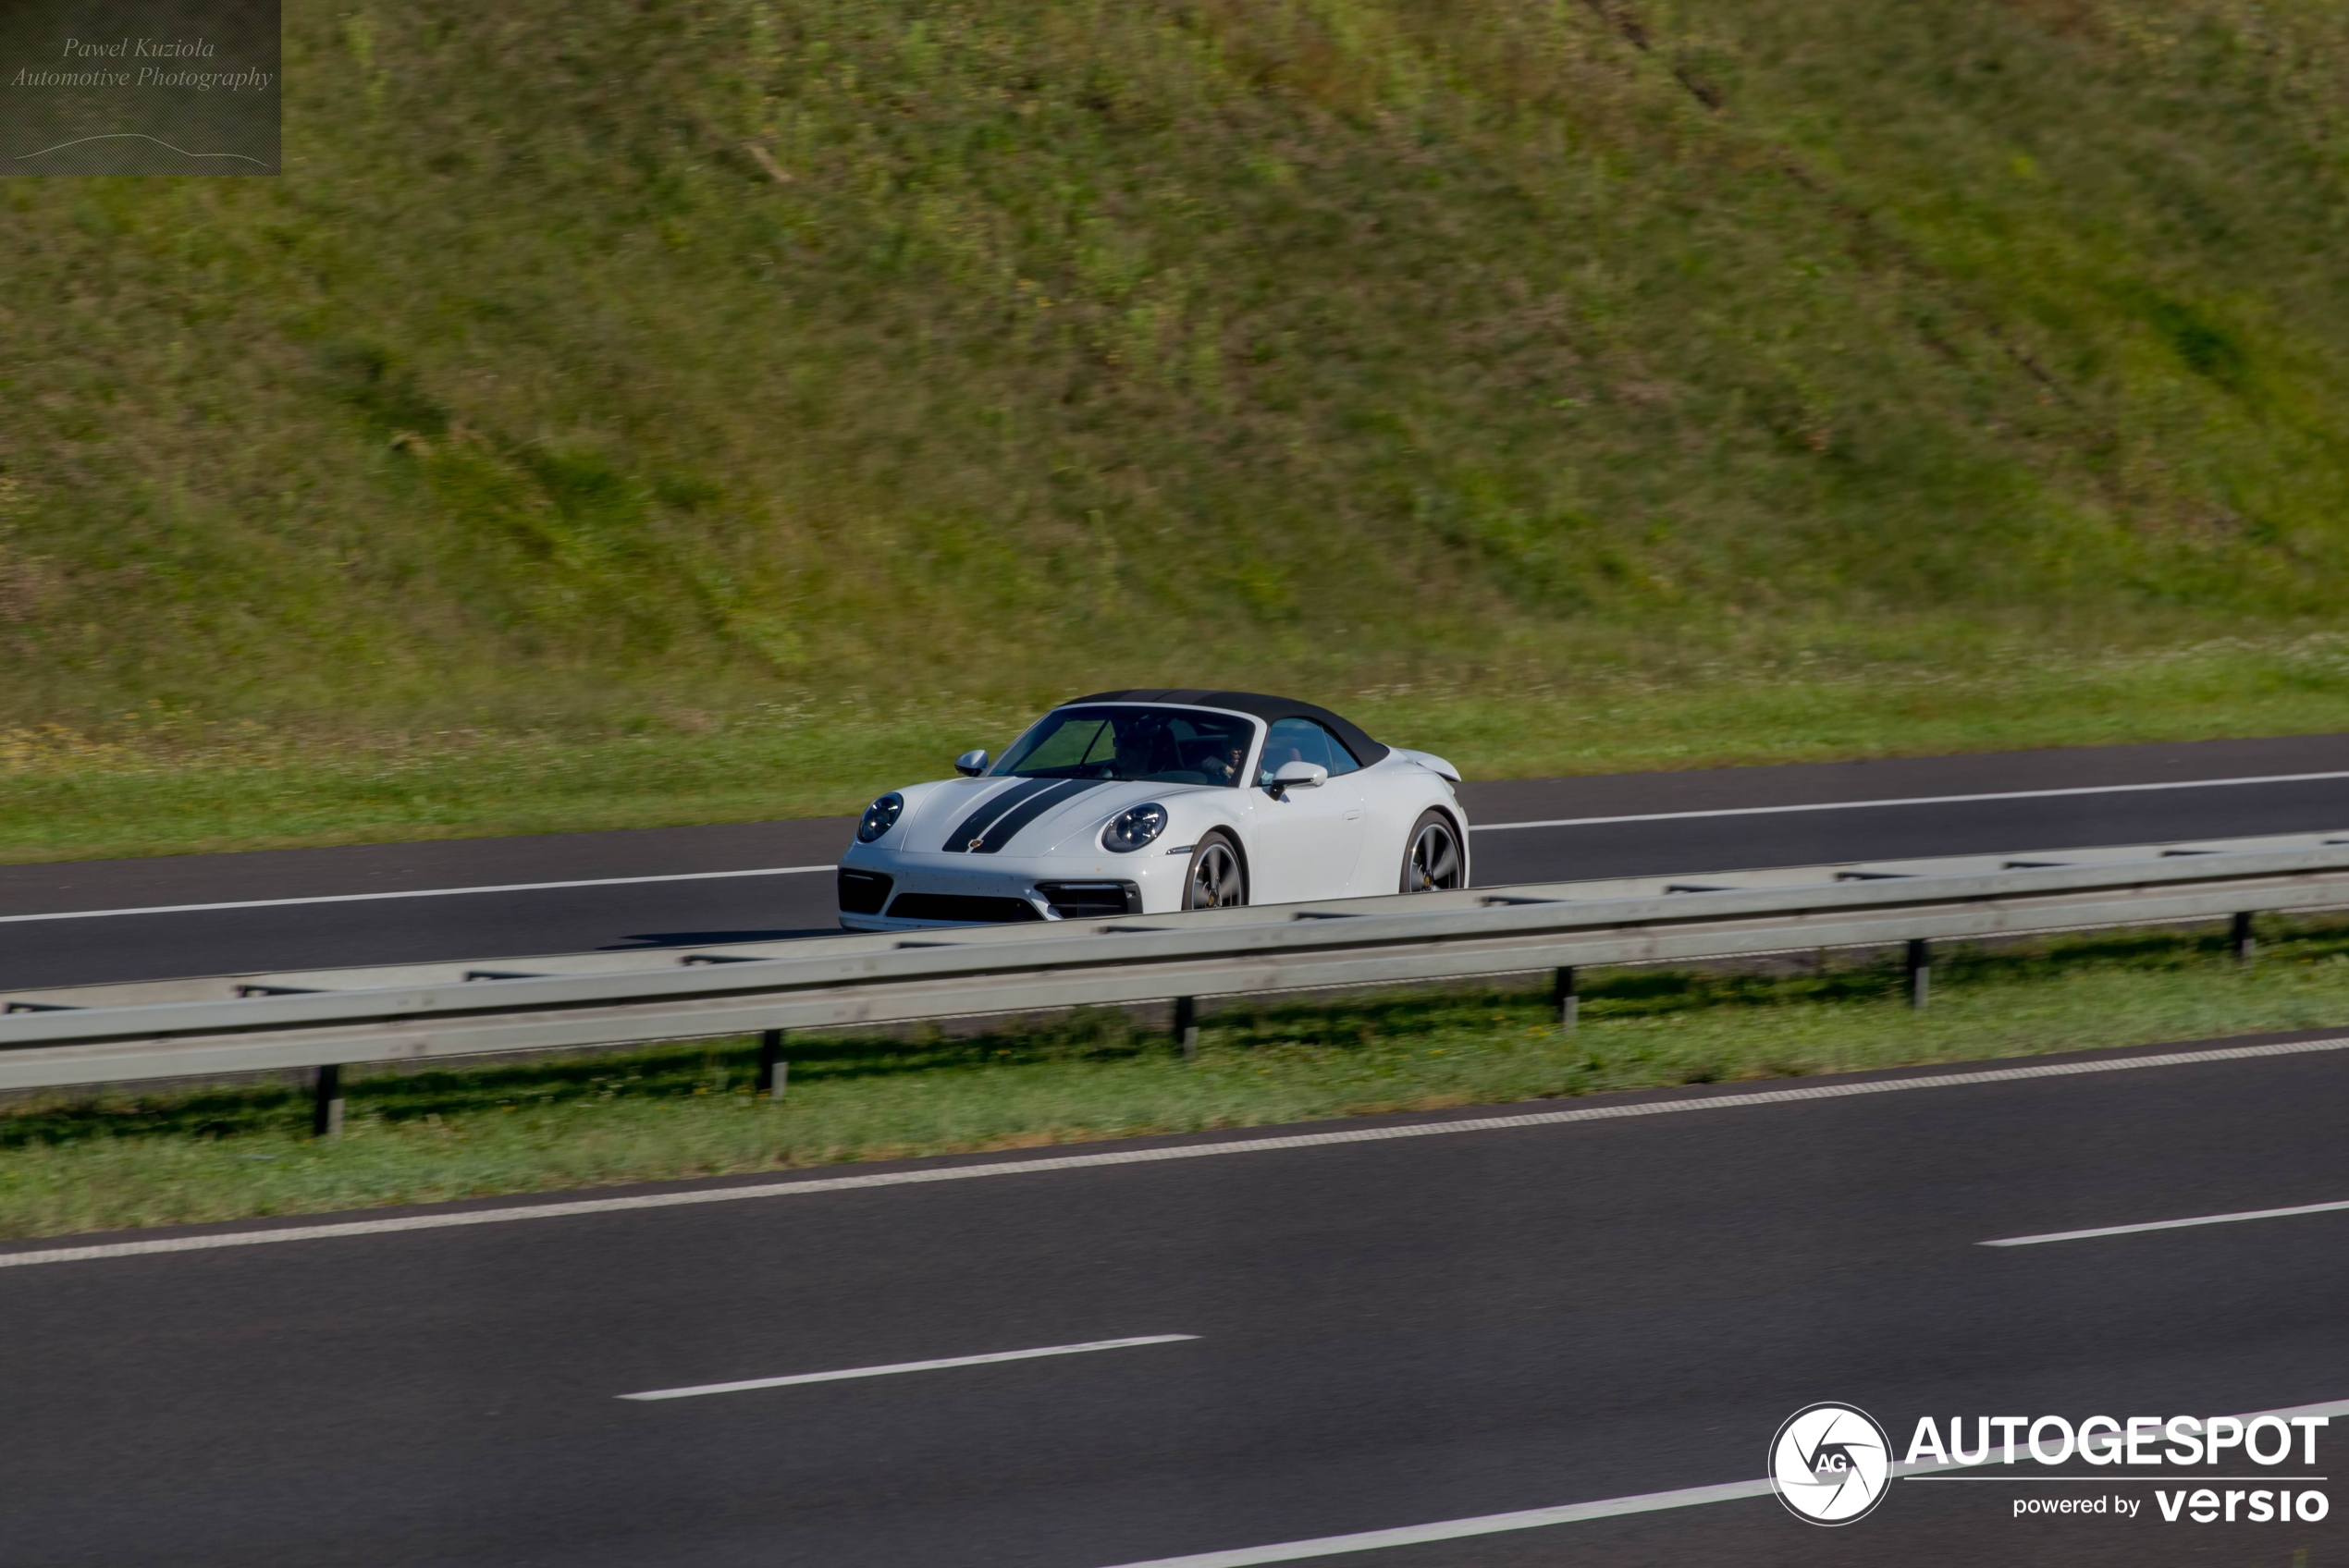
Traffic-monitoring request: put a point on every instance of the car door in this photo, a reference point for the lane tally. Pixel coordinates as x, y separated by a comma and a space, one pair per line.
1307, 842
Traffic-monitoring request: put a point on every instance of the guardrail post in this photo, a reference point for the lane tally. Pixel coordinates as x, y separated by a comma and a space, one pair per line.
325, 1105
1187, 1026
1563, 999
1920, 971
774, 1073
2243, 940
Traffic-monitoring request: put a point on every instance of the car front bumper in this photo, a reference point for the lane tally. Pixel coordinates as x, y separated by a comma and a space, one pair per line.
928, 890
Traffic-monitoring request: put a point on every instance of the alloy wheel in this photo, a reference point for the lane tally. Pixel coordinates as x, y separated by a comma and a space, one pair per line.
1435, 861
1216, 881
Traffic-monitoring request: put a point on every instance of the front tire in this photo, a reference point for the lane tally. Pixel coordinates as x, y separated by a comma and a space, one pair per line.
1217, 879
1431, 859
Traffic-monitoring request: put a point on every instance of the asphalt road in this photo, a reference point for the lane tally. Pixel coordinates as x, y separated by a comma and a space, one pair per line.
1673, 827
1388, 1333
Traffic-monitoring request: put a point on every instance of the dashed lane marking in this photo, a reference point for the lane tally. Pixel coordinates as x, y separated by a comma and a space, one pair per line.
2169, 1224
748, 1384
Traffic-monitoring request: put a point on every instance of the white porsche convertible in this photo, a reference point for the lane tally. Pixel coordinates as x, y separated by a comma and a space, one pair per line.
1143, 803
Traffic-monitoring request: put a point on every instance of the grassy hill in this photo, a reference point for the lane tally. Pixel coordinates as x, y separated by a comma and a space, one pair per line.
647, 409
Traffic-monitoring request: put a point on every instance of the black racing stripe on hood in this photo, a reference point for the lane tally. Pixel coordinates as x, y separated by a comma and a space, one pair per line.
1007, 826
992, 807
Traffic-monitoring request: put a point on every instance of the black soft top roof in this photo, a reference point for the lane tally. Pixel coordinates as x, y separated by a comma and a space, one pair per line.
1366, 751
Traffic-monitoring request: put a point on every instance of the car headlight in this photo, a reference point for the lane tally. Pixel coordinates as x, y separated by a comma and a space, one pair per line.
879, 817
1130, 830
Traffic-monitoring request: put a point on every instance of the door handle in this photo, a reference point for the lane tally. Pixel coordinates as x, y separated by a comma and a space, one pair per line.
1354, 815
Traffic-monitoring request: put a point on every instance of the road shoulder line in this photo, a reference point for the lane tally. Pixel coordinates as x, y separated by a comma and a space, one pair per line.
414, 893
1605, 1508
1916, 801
805, 1187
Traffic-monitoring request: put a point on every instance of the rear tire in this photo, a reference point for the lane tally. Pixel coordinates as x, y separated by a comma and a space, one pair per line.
1217, 879
1431, 859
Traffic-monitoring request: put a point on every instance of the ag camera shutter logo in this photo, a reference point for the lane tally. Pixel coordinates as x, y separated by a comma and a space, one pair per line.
1830, 1463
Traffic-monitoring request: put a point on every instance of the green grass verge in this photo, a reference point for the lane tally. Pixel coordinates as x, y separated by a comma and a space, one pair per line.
536, 1125
171, 790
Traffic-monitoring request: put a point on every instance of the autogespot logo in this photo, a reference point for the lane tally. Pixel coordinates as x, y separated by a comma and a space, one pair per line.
1830, 1463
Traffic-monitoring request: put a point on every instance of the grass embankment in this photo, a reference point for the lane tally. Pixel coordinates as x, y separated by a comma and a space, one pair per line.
680, 1112
1559, 386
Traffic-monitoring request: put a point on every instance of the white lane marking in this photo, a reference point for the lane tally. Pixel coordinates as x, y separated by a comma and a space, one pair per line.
1573, 1513
1477, 828
2168, 1224
1915, 801
805, 1187
415, 893
845, 1373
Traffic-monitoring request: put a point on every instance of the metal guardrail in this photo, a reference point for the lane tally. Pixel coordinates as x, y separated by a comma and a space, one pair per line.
327, 1019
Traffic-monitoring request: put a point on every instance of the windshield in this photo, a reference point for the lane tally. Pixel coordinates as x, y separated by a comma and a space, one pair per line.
1156, 745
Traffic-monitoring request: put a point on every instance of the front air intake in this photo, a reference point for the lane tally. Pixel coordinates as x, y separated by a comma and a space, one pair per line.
968, 907
863, 892
1092, 900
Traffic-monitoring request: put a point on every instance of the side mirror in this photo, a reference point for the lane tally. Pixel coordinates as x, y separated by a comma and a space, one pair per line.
970, 765
1298, 775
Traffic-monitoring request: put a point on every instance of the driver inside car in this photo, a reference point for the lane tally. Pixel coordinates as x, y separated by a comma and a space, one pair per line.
1277, 757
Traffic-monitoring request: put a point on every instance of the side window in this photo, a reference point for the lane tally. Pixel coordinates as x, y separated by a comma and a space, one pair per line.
1297, 739
1341, 760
